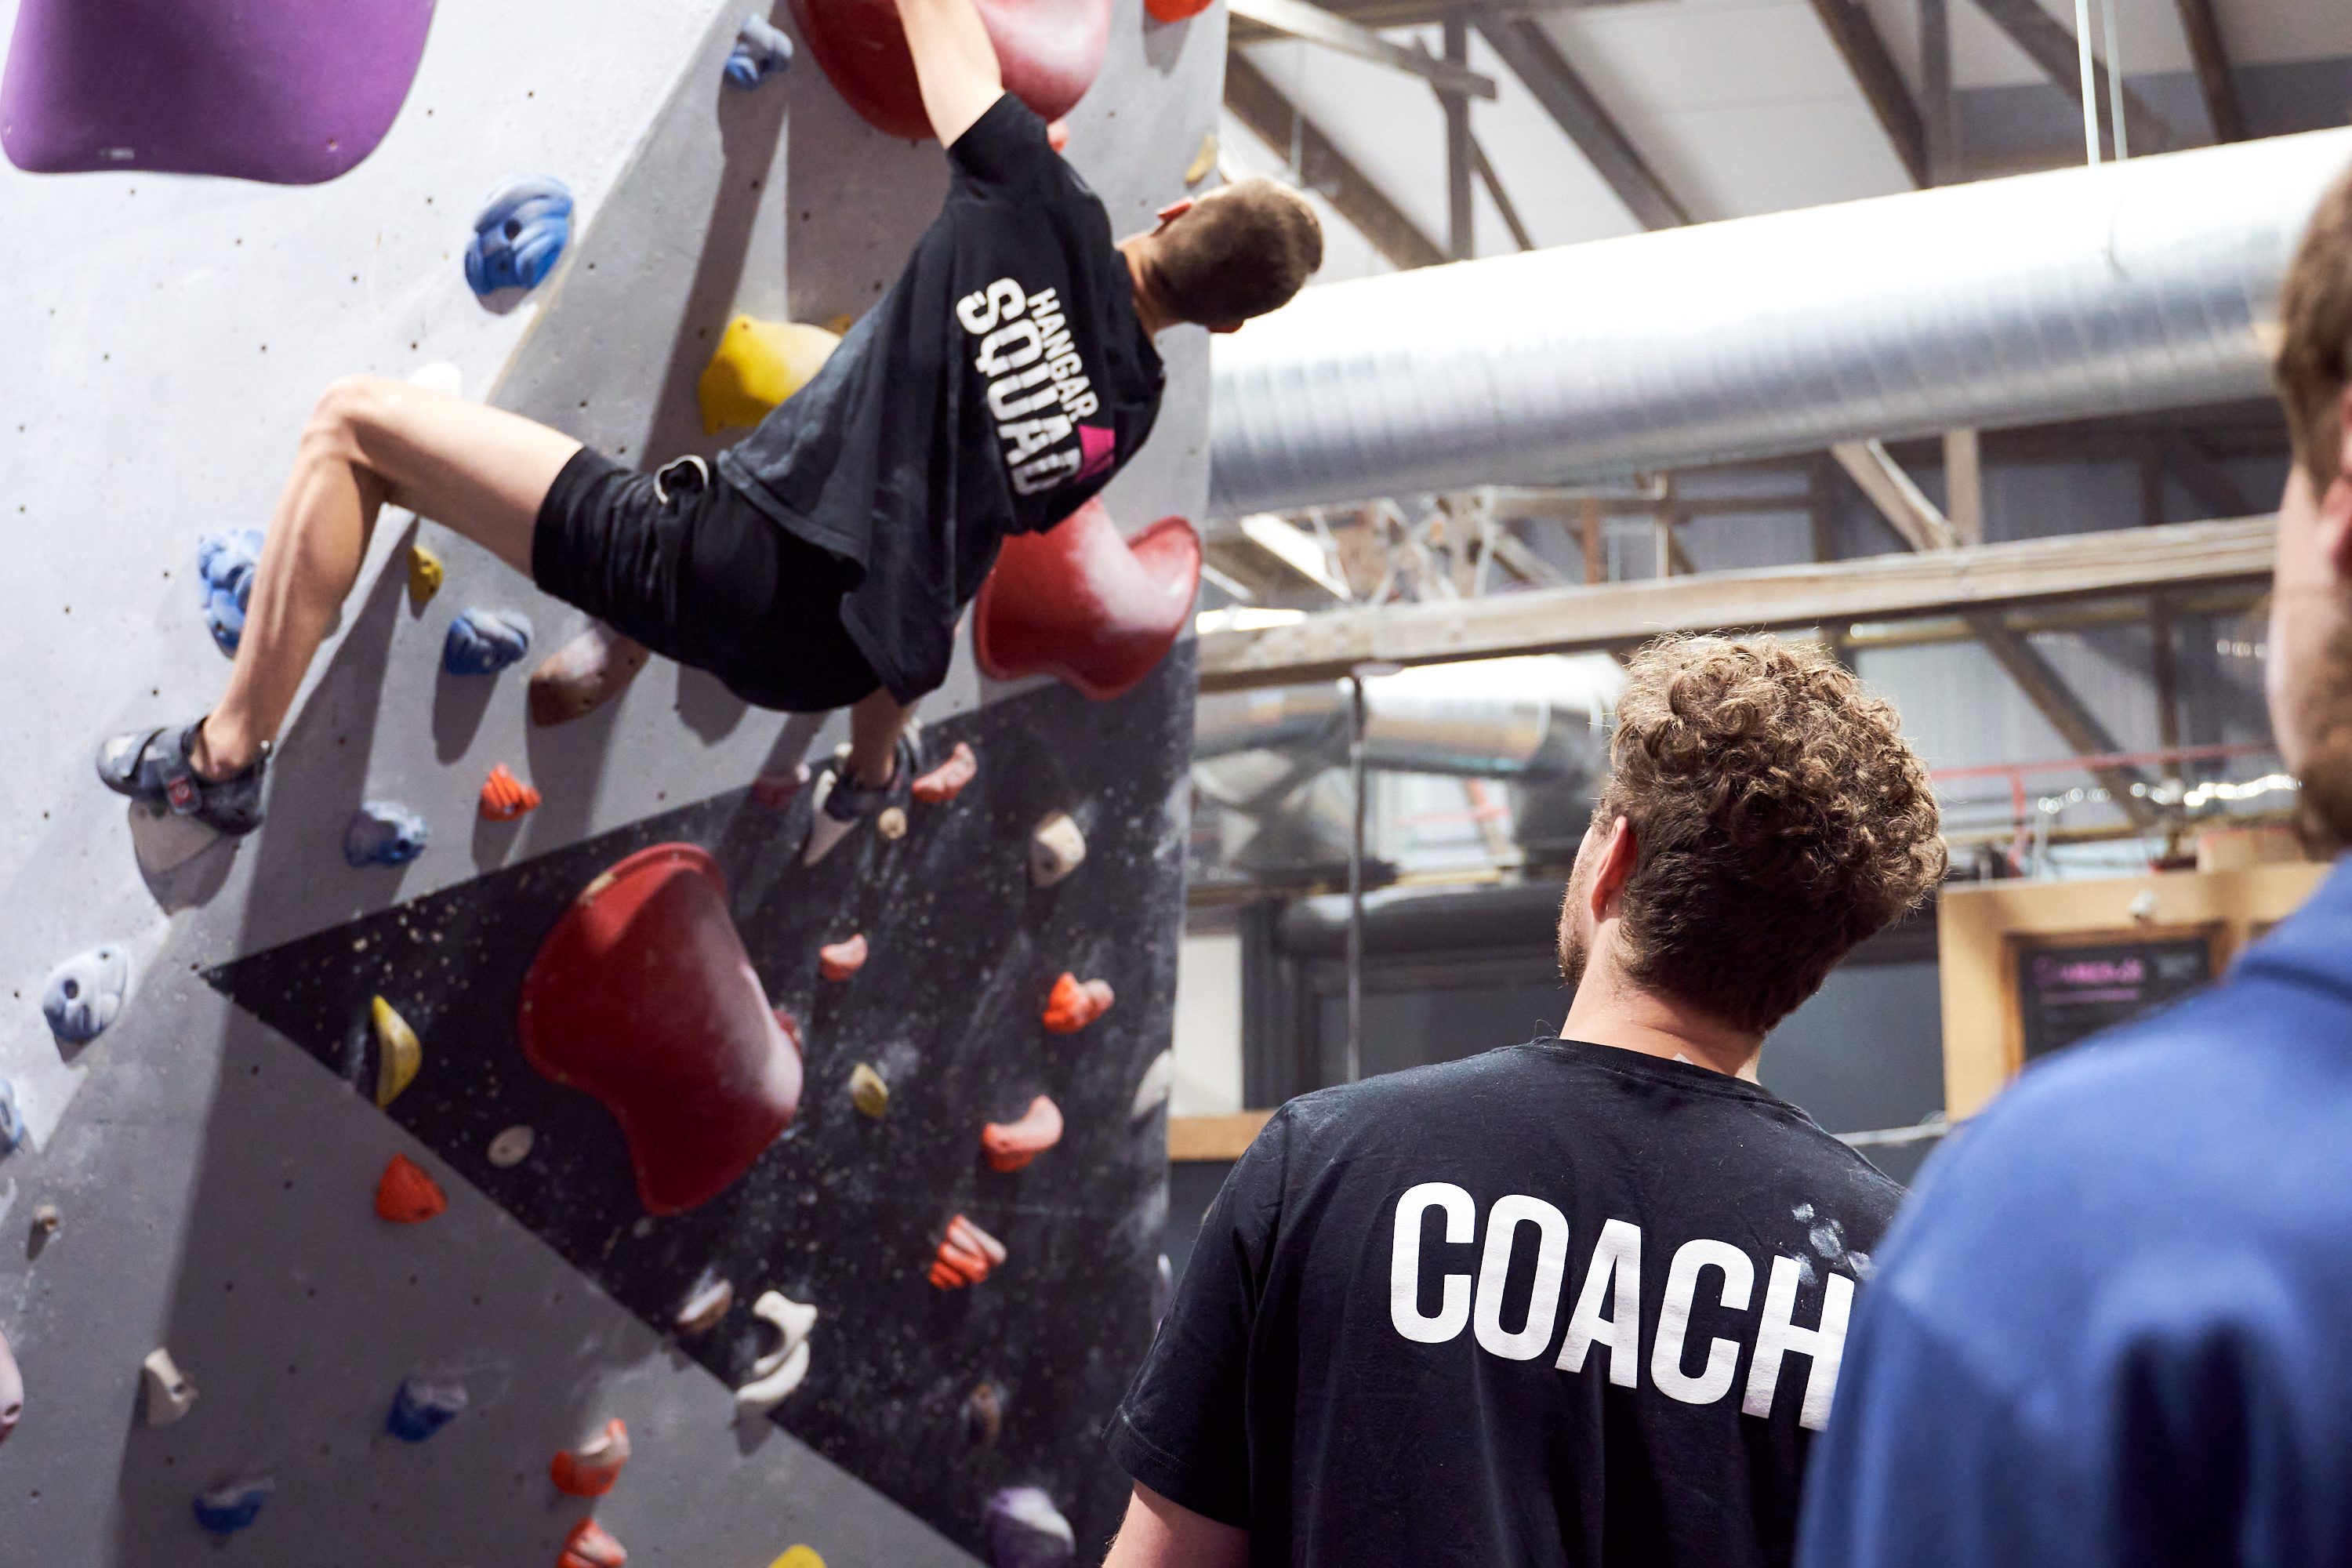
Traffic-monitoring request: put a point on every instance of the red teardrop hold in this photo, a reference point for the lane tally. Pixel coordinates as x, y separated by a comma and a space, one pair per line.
1049, 51
405, 1194
1079, 602
591, 1469
644, 996
590, 1545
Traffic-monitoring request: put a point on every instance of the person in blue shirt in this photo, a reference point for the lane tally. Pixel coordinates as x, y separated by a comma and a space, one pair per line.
2115, 1324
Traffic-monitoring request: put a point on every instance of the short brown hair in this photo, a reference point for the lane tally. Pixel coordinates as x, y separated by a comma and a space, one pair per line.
1242, 251
2314, 360
1779, 818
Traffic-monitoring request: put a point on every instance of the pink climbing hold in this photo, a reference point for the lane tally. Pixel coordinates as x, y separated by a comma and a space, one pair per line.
776, 791
840, 960
590, 1545
12, 1390
1073, 1005
966, 1255
591, 1469
643, 996
1013, 1145
1080, 603
946, 782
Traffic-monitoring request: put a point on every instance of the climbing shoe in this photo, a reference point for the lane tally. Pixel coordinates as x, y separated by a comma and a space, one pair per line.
841, 803
152, 767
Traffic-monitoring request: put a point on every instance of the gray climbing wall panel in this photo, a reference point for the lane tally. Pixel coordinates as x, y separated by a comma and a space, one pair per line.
158, 346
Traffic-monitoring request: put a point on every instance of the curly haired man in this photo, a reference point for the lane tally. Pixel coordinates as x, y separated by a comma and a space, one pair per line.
2112, 1330
1580, 1301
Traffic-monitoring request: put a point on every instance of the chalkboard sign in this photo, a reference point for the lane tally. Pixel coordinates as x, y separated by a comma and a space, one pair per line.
2065, 993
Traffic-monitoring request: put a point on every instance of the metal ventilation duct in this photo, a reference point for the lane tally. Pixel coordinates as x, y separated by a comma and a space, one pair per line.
2084, 292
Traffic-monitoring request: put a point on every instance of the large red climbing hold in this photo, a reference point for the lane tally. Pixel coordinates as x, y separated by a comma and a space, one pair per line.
405, 1194
1175, 10
1049, 51
590, 1545
1010, 1145
1074, 1004
1079, 602
946, 782
591, 1469
643, 996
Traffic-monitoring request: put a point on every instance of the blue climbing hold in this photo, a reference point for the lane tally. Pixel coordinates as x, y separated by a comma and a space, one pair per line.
225, 1510
484, 642
423, 1407
12, 1119
85, 992
761, 49
384, 834
520, 236
224, 566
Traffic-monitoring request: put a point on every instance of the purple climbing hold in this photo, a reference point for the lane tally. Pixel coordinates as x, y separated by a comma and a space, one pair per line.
233, 1506
761, 49
519, 235
384, 834
422, 1406
12, 1119
85, 992
224, 567
1026, 1531
484, 642
289, 92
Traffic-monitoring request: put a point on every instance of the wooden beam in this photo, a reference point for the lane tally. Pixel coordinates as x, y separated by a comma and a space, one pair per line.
1503, 203
1939, 105
1964, 487
1257, 103
1901, 503
1297, 19
2050, 44
2179, 556
2067, 714
2211, 59
1215, 1137
1857, 38
1536, 60
1461, 215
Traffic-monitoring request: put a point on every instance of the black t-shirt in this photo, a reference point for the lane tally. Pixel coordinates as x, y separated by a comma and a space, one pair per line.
1408, 1336
997, 387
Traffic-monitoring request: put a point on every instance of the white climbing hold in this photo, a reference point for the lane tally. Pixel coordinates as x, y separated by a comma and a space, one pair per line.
512, 1147
1159, 1081
85, 992
1055, 849
777, 1373
169, 1394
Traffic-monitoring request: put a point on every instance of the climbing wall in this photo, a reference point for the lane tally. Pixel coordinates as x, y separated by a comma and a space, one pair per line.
202, 1175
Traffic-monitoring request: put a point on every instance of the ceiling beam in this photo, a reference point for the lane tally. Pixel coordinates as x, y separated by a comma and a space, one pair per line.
2067, 714
2211, 58
2050, 44
1531, 55
1858, 39
2181, 556
1257, 103
2207, 482
1297, 19
1503, 203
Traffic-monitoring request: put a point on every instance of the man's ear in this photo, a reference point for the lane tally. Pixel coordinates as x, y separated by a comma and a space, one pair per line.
2336, 506
1173, 211
1618, 857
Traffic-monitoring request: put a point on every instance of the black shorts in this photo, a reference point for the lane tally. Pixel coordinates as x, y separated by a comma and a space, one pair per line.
683, 565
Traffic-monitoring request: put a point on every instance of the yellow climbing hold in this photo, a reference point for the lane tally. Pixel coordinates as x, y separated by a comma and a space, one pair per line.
399, 1054
798, 1557
424, 574
758, 365
1204, 163
867, 1091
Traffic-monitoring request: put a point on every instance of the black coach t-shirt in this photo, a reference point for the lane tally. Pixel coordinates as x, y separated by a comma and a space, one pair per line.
1556, 1304
997, 386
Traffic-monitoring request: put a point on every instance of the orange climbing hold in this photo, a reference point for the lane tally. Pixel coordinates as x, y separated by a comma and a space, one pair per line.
405, 1194
1175, 10
1073, 1005
1013, 1145
590, 1545
591, 1469
966, 1255
946, 782
840, 960
506, 797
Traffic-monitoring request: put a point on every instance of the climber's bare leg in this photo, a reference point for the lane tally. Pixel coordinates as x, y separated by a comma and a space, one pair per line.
370, 442
874, 727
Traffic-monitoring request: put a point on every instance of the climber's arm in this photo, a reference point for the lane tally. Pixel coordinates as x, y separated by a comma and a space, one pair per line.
955, 63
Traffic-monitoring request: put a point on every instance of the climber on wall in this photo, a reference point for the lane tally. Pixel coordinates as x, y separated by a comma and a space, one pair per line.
999, 383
